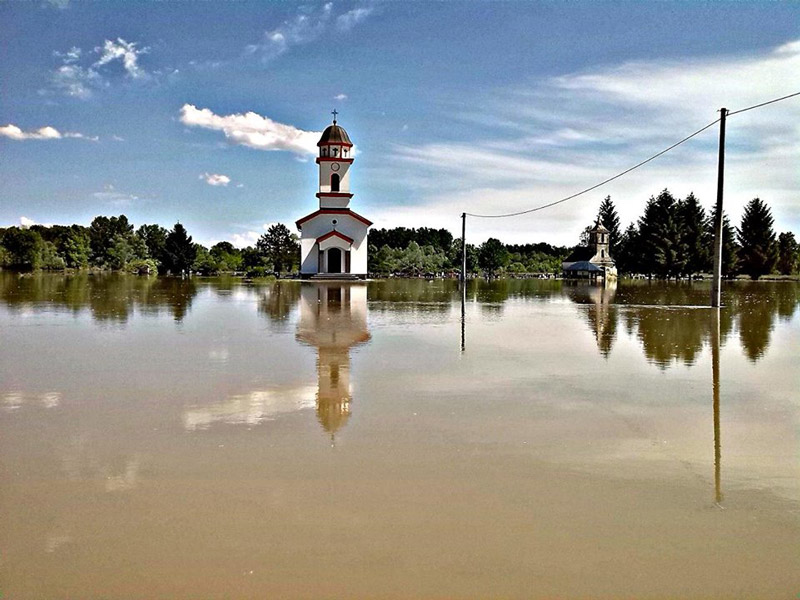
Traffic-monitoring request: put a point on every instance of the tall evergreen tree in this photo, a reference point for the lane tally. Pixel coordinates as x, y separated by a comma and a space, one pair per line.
759, 251
179, 251
693, 219
628, 255
788, 253
730, 250
661, 236
610, 219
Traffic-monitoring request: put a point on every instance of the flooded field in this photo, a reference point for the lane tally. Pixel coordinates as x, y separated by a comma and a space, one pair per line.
164, 438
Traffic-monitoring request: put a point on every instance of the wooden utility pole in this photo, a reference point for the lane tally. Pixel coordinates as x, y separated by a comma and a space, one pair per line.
716, 282
464, 248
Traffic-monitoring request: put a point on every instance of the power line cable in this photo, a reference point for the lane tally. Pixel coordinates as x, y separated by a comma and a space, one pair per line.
597, 185
625, 172
741, 110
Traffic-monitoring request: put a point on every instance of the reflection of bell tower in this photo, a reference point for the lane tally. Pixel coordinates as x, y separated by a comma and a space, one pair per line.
333, 317
601, 314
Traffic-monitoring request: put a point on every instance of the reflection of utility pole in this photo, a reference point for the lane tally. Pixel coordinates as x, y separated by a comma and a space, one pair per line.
716, 282
715, 387
463, 316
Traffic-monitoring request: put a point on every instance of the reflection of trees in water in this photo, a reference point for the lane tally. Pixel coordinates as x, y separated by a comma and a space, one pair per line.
412, 295
108, 296
277, 301
670, 334
671, 325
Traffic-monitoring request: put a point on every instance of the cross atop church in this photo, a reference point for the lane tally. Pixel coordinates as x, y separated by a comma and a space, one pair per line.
334, 113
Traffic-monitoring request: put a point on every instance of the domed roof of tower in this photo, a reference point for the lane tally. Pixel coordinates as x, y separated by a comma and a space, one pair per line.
334, 134
600, 228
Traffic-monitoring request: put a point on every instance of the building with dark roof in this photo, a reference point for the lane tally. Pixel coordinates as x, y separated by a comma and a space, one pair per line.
593, 261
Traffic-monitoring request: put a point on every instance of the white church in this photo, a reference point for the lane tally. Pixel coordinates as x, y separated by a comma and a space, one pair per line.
333, 239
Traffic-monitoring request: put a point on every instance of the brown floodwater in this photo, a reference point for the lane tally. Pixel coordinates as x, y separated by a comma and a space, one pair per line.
206, 438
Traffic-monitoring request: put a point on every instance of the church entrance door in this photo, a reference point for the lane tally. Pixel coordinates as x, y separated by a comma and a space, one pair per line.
334, 260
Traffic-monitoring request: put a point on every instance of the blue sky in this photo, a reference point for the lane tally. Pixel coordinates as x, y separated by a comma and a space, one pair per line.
207, 112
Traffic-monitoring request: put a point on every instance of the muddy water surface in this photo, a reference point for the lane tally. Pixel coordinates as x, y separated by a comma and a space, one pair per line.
165, 438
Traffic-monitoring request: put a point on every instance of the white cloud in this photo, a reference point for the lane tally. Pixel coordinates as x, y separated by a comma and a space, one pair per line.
25, 222
554, 137
242, 240
253, 130
351, 18
340, 97
126, 52
43, 133
249, 238
215, 179
239, 185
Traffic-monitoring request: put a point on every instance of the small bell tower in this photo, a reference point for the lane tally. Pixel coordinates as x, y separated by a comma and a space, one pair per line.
334, 160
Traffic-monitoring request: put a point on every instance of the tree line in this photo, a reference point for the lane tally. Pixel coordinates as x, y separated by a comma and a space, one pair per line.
427, 251
112, 243
675, 238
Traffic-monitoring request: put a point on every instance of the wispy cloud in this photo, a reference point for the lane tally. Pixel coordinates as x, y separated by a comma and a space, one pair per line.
351, 18
80, 75
215, 179
340, 97
252, 130
125, 52
43, 133
306, 26
114, 197
551, 138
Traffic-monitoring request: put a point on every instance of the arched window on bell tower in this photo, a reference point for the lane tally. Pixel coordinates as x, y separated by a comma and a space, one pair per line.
335, 182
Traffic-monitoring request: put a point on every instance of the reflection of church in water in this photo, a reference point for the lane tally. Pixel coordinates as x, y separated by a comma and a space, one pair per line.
601, 313
333, 318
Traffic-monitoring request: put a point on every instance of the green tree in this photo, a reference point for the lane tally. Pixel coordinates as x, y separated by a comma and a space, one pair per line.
661, 236
788, 253
75, 248
179, 251
492, 256
204, 262
24, 248
280, 247
629, 257
610, 219
49, 257
695, 239
227, 256
155, 239
102, 232
759, 251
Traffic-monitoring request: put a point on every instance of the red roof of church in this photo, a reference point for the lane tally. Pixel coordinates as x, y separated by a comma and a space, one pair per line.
333, 211
334, 233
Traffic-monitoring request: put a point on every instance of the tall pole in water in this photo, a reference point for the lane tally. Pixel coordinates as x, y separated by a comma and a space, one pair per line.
464, 248
716, 283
